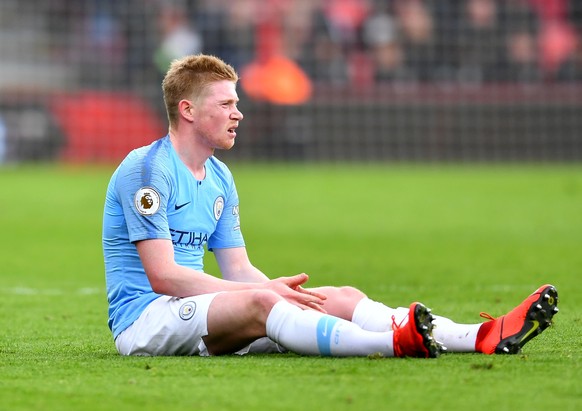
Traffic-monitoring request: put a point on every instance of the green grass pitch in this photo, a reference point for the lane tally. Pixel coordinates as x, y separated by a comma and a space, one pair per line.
462, 239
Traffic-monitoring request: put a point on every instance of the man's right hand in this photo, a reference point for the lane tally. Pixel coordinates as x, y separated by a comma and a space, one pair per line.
290, 288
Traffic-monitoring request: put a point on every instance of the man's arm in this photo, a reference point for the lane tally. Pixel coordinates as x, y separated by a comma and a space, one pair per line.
168, 278
235, 265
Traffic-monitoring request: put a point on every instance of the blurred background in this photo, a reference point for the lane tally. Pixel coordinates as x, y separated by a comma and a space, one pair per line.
321, 80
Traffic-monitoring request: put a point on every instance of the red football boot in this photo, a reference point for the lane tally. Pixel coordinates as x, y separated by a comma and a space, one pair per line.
415, 338
508, 333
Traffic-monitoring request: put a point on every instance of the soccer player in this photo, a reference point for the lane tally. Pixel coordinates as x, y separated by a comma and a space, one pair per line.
169, 200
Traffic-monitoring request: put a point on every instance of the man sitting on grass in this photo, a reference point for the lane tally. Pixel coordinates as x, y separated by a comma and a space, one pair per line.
167, 201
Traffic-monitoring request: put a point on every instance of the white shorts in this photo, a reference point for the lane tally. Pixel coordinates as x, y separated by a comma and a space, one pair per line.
176, 326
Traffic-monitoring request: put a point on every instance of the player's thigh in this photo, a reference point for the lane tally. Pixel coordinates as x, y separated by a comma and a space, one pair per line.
246, 309
235, 319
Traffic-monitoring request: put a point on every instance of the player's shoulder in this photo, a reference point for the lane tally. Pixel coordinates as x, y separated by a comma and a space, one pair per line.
147, 158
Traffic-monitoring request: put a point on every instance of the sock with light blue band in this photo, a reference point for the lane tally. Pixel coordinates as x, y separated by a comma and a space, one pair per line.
325, 327
311, 333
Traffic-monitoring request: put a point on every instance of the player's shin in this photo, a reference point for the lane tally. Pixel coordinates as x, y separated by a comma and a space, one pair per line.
313, 333
456, 337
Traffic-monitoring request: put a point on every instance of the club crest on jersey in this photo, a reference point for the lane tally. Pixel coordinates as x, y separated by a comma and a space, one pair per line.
218, 207
147, 201
187, 310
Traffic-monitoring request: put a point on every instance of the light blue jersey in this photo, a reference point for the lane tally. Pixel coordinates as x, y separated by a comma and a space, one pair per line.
152, 194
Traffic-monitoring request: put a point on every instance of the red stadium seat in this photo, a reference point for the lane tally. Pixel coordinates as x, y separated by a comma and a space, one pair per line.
104, 126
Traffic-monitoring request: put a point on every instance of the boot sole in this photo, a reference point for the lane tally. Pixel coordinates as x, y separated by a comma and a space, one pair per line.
423, 320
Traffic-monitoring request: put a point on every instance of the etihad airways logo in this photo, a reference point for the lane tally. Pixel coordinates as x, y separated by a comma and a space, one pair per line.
188, 238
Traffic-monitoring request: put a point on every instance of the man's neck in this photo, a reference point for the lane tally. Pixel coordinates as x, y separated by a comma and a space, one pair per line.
191, 154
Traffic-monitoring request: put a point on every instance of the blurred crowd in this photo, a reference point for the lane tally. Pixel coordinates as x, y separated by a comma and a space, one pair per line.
129, 43
354, 42
282, 48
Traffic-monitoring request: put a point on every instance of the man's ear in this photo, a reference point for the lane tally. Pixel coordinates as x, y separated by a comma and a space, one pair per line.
186, 110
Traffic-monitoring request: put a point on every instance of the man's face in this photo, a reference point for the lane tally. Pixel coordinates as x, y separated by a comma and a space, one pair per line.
217, 116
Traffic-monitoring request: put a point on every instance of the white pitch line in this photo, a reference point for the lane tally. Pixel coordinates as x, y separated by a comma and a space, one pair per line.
50, 291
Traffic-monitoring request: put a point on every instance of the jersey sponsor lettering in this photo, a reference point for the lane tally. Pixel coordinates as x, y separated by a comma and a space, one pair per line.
188, 238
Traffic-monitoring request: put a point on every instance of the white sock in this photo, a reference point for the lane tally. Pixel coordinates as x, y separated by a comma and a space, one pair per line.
310, 332
374, 316
456, 337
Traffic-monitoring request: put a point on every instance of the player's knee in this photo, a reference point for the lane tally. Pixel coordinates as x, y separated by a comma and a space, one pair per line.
353, 292
349, 294
262, 301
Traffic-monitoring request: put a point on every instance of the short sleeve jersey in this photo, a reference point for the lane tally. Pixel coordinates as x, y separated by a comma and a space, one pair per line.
153, 195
